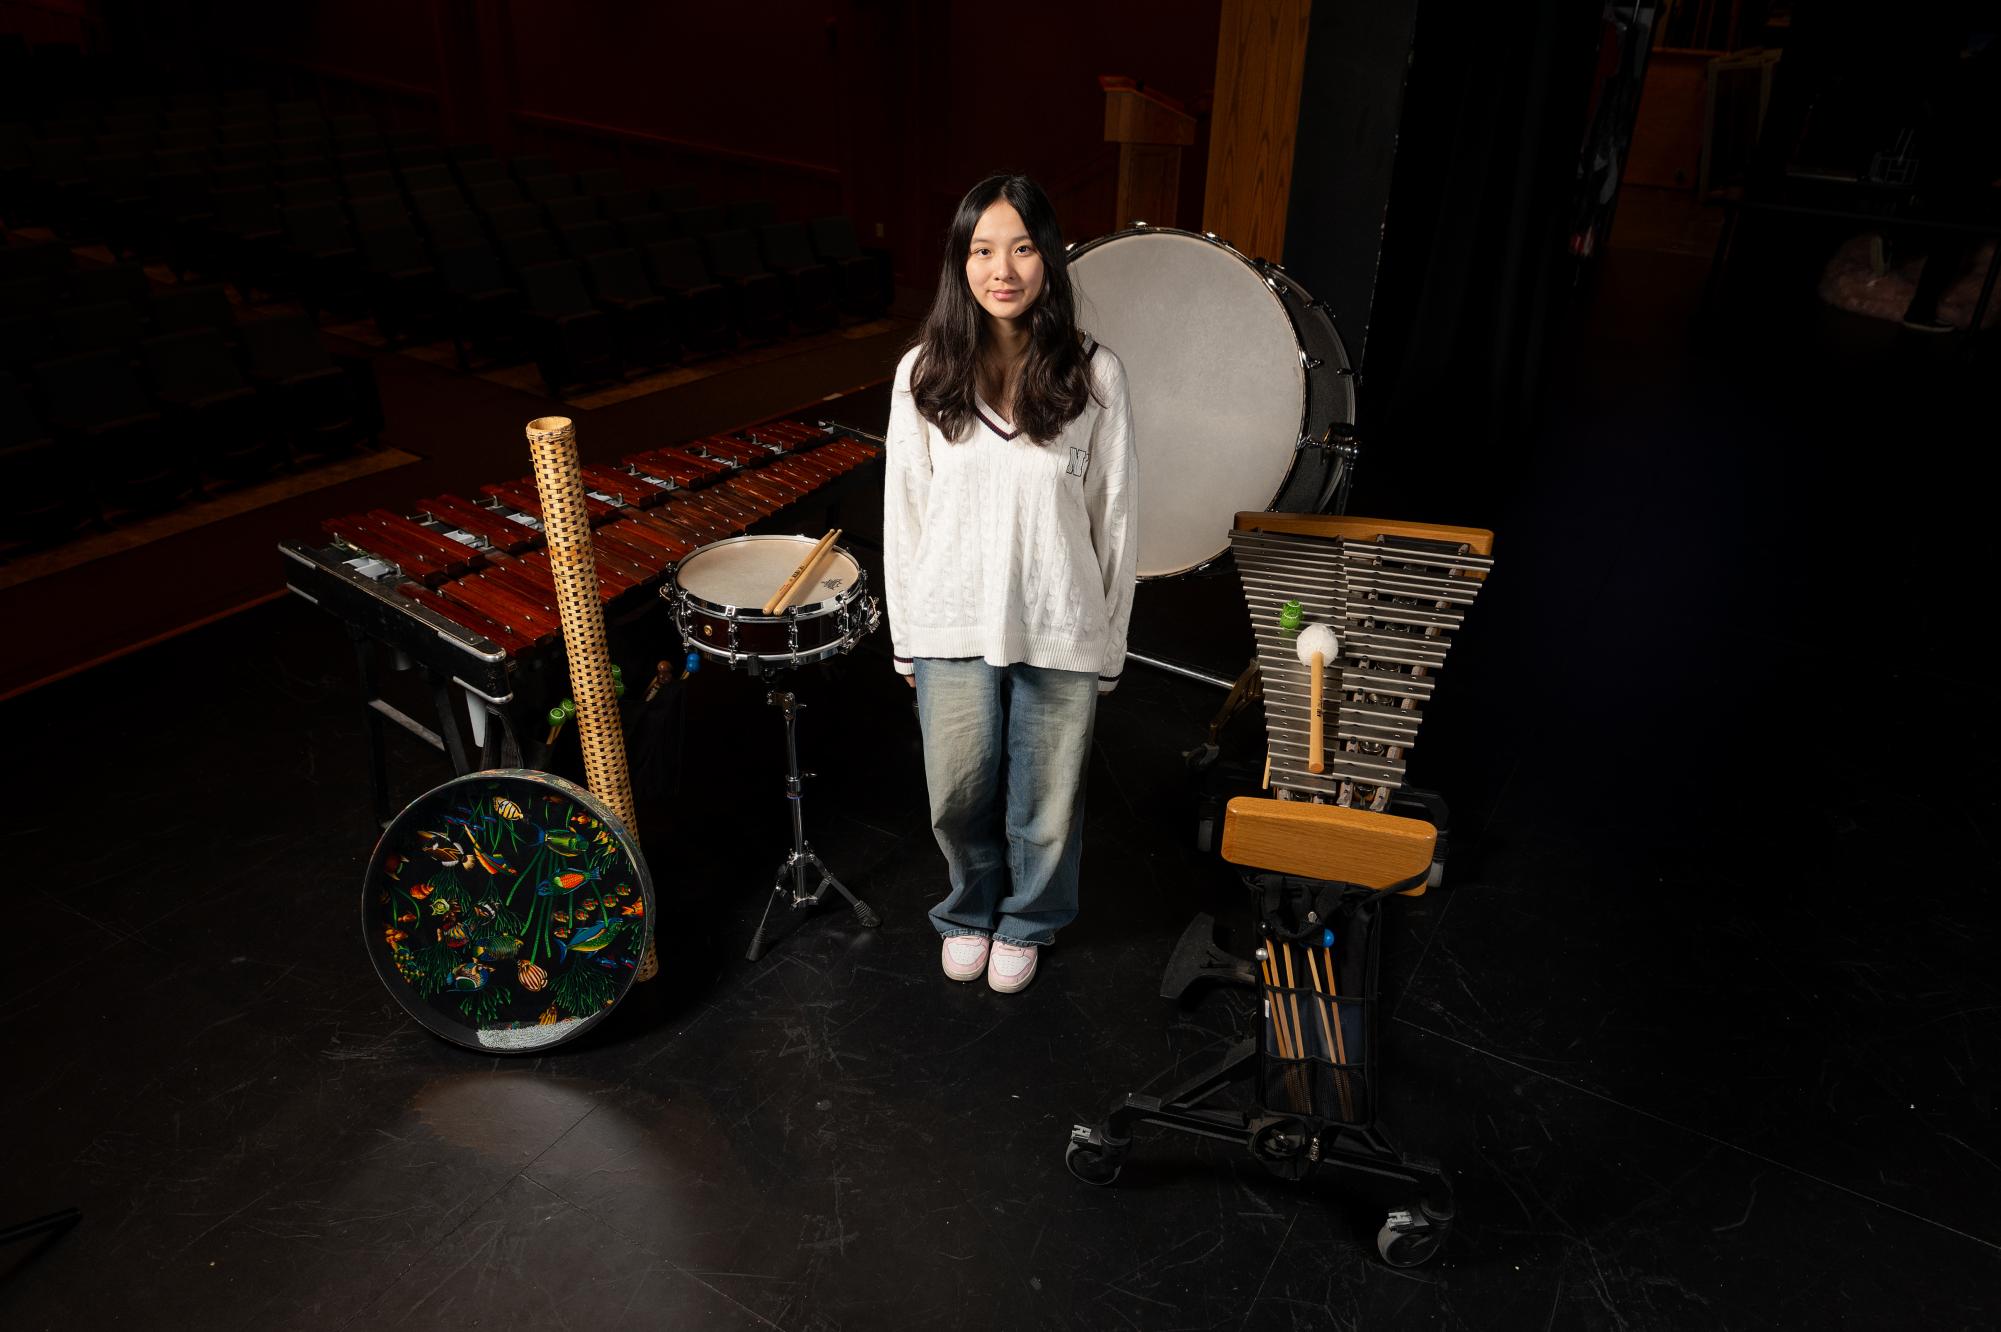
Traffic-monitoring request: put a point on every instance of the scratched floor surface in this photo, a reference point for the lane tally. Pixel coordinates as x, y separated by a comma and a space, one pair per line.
1703, 1022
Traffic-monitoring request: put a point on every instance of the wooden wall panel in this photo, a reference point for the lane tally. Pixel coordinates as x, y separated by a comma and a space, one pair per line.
1260, 55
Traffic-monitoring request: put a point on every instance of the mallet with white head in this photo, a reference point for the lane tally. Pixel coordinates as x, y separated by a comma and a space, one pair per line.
1318, 644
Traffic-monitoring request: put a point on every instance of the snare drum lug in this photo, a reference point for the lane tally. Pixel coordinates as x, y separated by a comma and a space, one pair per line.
1137, 223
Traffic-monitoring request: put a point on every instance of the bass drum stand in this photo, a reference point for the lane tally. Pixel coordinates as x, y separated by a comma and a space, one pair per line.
793, 872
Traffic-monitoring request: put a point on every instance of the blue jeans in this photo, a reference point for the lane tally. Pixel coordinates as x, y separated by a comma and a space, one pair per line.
1005, 751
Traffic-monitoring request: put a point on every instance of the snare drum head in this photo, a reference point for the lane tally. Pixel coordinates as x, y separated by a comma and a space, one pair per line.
507, 910
1218, 388
744, 571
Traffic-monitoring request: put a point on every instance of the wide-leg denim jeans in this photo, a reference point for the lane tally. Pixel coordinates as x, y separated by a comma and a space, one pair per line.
1005, 753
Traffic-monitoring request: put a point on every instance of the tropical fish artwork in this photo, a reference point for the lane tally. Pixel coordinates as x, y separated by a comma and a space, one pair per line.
471, 976
560, 840
566, 882
466, 949
502, 946
490, 861
590, 939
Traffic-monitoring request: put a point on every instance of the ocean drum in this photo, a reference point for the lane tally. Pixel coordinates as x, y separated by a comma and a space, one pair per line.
507, 911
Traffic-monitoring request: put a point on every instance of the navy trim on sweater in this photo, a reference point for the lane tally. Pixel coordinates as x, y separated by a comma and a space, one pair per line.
987, 421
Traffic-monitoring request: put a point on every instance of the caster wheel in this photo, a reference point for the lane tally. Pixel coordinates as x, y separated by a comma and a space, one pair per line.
1401, 1246
1205, 835
1437, 874
1092, 1164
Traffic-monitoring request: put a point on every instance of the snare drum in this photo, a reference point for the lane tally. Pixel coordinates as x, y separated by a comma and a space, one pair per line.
718, 593
1237, 376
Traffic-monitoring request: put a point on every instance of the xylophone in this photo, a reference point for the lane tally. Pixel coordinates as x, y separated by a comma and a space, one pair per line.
461, 588
1394, 592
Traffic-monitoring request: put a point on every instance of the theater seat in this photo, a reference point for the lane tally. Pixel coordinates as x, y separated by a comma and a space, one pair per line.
572, 340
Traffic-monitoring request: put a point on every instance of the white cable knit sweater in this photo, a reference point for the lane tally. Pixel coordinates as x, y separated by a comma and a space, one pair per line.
1002, 548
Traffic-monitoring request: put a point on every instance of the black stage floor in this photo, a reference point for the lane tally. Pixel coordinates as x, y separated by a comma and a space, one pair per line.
1704, 1020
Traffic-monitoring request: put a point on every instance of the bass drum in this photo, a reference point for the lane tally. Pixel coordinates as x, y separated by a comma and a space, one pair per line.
1237, 375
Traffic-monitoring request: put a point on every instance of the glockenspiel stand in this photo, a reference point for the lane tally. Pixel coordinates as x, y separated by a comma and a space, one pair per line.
792, 874
1290, 1146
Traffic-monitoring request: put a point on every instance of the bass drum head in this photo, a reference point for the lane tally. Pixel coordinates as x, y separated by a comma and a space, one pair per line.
742, 572
1220, 391
507, 911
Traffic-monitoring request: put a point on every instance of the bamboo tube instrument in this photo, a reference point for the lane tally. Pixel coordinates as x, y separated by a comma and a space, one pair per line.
566, 526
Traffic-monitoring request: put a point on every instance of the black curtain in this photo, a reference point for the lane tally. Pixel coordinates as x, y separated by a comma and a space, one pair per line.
1476, 266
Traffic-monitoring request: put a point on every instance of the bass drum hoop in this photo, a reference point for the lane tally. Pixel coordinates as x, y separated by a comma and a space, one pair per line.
1264, 271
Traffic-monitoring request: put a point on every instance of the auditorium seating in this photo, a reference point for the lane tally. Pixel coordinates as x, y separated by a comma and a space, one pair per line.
144, 391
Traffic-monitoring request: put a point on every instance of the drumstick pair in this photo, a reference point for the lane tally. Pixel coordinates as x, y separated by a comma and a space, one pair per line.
803, 576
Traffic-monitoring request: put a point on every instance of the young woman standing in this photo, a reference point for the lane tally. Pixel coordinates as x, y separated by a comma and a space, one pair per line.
1009, 568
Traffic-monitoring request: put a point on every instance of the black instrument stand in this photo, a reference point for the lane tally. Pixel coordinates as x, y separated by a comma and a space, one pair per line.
1289, 1145
791, 885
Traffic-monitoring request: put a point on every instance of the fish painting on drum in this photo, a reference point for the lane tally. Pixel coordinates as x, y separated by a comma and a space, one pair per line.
507, 940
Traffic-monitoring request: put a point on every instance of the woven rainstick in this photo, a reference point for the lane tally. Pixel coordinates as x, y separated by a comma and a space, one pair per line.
566, 526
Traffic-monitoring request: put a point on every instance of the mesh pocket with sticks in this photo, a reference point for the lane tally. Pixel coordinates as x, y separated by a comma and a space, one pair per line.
1317, 966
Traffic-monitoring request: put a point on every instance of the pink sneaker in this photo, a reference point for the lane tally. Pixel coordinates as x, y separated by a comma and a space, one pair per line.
965, 956
1011, 967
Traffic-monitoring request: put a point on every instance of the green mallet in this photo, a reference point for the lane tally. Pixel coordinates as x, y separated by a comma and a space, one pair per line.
558, 715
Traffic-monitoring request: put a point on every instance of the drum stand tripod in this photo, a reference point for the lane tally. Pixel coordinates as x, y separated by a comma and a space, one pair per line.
791, 885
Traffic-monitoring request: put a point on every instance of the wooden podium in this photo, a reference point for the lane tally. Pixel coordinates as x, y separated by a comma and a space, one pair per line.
1151, 129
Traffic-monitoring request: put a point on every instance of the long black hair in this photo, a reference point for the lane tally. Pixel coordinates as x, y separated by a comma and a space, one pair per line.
1054, 382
